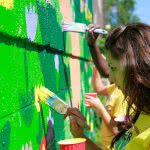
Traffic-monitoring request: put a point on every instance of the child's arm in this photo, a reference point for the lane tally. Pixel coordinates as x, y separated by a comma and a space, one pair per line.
97, 83
96, 103
99, 61
75, 116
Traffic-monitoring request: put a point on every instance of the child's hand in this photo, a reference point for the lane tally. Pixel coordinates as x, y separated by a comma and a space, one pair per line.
92, 102
92, 37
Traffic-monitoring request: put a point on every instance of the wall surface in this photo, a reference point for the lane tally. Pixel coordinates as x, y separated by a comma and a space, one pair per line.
34, 52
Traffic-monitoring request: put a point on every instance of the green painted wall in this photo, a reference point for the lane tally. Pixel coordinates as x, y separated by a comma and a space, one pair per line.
32, 53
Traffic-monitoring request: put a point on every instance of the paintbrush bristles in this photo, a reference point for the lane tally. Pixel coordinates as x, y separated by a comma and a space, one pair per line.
46, 91
42, 94
73, 27
49, 98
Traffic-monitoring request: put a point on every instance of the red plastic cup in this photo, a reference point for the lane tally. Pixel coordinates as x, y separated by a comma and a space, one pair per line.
91, 94
72, 144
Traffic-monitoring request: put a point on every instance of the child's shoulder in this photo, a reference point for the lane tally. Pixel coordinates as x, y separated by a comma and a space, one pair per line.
140, 142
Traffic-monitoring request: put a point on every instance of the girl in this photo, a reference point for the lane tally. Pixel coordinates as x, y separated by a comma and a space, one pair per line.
128, 56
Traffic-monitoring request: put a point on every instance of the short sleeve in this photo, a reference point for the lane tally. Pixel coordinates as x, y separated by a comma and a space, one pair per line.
110, 104
116, 104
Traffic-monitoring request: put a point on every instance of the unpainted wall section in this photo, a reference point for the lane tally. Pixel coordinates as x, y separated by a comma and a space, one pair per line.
35, 52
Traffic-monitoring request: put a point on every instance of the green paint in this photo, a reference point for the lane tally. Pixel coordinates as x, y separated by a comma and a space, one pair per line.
57, 79
26, 64
5, 136
15, 25
63, 74
40, 129
50, 25
22, 100
47, 65
67, 42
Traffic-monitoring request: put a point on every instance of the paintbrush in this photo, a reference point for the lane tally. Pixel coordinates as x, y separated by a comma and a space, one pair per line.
51, 99
79, 27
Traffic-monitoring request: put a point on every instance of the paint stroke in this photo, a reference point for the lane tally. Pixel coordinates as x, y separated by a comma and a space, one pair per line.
86, 66
50, 134
27, 146
8, 4
50, 118
56, 60
31, 22
75, 81
88, 14
66, 10
82, 5
37, 104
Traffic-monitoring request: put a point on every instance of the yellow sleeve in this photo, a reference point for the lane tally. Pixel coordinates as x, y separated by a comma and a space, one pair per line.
112, 96
117, 104
110, 104
140, 142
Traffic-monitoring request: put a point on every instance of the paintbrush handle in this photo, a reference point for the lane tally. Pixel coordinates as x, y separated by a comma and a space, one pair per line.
100, 31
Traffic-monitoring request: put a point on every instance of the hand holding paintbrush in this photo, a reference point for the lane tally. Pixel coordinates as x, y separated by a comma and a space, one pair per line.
92, 36
79, 119
51, 99
77, 122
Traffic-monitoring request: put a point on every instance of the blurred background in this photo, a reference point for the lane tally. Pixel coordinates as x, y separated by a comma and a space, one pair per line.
111, 13
116, 12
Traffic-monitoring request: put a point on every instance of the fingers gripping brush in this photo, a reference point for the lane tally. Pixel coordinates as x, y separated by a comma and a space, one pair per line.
79, 27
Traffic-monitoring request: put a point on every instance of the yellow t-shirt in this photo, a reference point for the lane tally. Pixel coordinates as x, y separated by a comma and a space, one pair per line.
117, 107
142, 141
116, 104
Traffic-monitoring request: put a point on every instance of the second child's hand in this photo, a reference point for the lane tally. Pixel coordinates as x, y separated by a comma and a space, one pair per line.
77, 115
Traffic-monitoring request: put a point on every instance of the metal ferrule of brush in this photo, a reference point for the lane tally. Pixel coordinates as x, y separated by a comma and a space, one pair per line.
57, 104
50, 100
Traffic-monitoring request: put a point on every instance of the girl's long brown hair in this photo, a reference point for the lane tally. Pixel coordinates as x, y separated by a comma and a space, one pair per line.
131, 45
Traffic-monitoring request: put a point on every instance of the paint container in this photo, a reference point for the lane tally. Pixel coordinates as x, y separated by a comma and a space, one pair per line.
72, 144
91, 94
